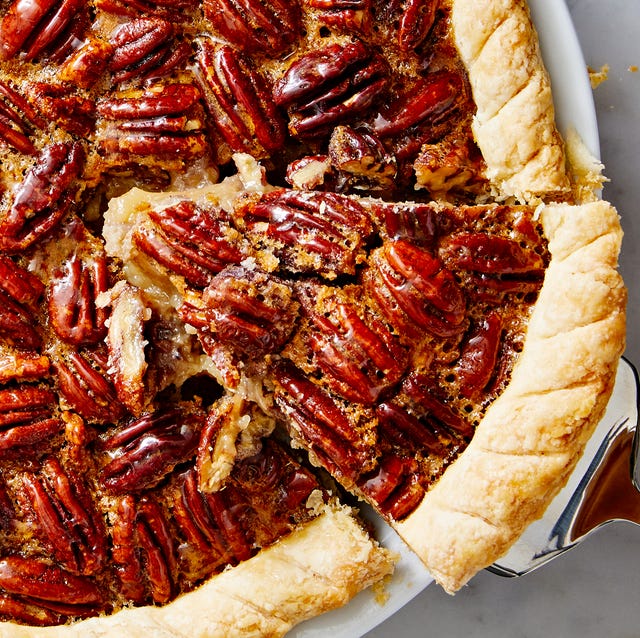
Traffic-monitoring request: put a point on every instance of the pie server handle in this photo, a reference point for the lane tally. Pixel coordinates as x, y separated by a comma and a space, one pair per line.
604, 487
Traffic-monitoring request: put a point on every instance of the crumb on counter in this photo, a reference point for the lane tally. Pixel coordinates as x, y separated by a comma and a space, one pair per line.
598, 77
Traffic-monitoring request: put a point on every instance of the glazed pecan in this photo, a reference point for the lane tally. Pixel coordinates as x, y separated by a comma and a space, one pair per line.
34, 27
22, 365
85, 384
172, 9
147, 449
43, 198
87, 63
26, 416
143, 550
73, 290
394, 487
479, 356
164, 121
255, 25
239, 102
146, 47
190, 241
359, 357
18, 120
416, 223
415, 292
65, 519
38, 582
416, 21
249, 311
328, 432
321, 233
330, 86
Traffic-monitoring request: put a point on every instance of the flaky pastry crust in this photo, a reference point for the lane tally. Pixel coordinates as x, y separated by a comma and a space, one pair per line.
532, 436
297, 578
514, 125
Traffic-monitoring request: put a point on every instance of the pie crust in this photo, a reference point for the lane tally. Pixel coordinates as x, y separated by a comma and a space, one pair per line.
532, 435
297, 578
514, 125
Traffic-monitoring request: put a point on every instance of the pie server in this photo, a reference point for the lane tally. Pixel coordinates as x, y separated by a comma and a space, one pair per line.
604, 487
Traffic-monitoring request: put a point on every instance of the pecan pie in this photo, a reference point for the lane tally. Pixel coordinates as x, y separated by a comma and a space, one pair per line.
263, 260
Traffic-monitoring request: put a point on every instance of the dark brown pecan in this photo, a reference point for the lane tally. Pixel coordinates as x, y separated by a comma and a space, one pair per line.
416, 223
347, 16
239, 101
416, 21
429, 100
7, 510
146, 47
165, 121
403, 428
23, 366
46, 584
330, 86
362, 159
415, 292
248, 311
479, 356
73, 290
143, 551
256, 25
18, 120
359, 357
423, 391
147, 449
58, 103
26, 416
321, 233
65, 519
85, 384
317, 420
22, 611
34, 27
394, 486
211, 521
190, 241
43, 198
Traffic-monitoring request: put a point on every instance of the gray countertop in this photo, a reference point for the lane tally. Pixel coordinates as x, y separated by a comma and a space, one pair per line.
592, 591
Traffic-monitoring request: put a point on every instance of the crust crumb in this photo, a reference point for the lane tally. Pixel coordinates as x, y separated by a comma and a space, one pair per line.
598, 77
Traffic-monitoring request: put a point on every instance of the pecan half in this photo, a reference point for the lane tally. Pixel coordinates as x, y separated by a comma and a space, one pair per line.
143, 551
239, 101
172, 9
359, 357
255, 25
33, 27
416, 21
415, 292
43, 198
346, 16
18, 120
60, 104
321, 233
72, 295
190, 241
26, 416
330, 86
147, 449
65, 518
164, 121
146, 47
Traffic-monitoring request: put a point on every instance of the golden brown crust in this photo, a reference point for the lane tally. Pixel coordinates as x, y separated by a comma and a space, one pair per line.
532, 436
514, 124
299, 577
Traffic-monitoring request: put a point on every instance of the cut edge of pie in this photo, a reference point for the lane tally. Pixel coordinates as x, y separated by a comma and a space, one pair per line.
533, 434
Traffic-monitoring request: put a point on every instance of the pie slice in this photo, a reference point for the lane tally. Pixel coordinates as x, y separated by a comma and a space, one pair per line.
262, 259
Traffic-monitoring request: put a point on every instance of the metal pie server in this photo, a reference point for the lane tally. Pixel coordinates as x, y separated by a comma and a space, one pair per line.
604, 487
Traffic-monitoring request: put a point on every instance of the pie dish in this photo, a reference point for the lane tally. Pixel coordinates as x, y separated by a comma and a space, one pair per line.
275, 312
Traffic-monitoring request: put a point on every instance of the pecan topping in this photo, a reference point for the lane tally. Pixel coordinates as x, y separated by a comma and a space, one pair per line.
46, 194
255, 25
65, 519
239, 102
330, 86
18, 120
348, 16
